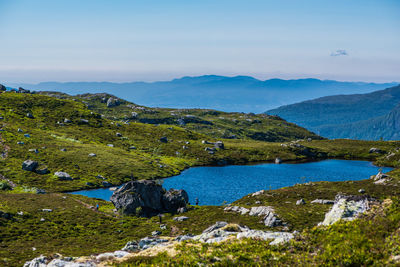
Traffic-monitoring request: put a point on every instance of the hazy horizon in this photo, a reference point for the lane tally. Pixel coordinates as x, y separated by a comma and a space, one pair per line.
124, 41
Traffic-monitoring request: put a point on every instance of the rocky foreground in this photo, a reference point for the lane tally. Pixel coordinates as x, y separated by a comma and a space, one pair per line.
344, 208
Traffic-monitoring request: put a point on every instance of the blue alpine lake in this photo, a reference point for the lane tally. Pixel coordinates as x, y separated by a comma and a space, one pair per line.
217, 185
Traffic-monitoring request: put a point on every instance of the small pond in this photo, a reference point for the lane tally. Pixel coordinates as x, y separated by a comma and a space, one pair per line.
216, 185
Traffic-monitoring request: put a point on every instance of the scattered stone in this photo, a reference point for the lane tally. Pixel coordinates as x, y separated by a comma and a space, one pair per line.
155, 233
20, 143
113, 102
118, 134
63, 149
63, 176
237, 209
219, 145
258, 193
376, 150
110, 145
113, 188
323, 201
92, 155
381, 178
180, 219
278, 161
89, 184
29, 115
30, 165
361, 191
131, 246
181, 210
132, 147
67, 120
42, 171
47, 210
149, 242
42, 219
163, 227
258, 202
34, 150
277, 237
215, 226
20, 130
300, 202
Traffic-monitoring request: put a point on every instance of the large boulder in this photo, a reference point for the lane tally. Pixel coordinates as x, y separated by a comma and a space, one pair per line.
2, 88
174, 199
148, 198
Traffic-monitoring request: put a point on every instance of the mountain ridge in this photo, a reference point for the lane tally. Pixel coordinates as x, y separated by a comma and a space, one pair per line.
238, 93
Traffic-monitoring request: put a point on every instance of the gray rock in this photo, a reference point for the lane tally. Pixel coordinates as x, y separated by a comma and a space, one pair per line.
219, 145
131, 246
37, 262
215, 226
181, 210
132, 147
118, 134
174, 199
63, 149
278, 161
42, 171
63, 176
270, 219
361, 191
155, 233
113, 102
276, 237
241, 210
34, 150
67, 120
20, 143
149, 196
183, 238
84, 121
149, 242
30, 115
323, 201
67, 263
110, 145
30, 165
180, 218
300, 202
92, 155
47, 210
20, 130
347, 208
376, 150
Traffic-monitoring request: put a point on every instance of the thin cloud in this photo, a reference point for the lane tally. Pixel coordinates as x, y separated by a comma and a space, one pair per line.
339, 52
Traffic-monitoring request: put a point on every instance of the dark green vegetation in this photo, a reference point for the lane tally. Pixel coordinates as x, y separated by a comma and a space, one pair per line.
73, 228
369, 116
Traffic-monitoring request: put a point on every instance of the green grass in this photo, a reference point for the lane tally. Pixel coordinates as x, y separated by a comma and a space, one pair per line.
73, 229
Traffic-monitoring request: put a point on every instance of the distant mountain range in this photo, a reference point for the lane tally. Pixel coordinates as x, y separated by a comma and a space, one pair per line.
240, 93
369, 116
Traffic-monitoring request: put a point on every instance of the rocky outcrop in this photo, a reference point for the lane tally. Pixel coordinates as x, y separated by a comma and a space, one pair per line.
381, 178
218, 232
347, 208
2, 88
113, 102
269, 218
147, 198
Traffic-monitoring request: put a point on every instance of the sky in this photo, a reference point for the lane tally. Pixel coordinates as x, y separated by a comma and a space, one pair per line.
121, 41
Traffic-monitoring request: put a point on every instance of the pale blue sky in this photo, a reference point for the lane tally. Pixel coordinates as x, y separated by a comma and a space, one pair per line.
159, 40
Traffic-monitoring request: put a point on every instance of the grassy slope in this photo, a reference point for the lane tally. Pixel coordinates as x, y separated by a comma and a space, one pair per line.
93, 232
